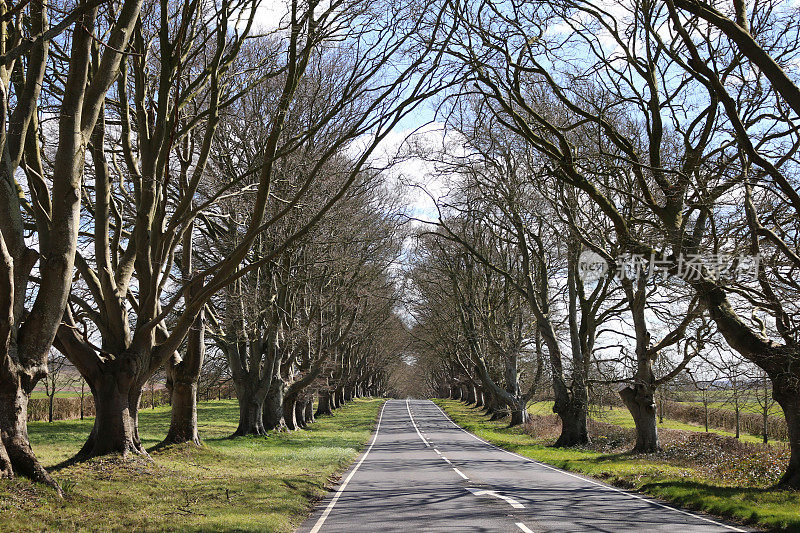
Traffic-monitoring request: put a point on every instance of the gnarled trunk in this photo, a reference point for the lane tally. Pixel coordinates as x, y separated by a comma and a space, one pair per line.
640, 402
251, 413
572, 413
116, 423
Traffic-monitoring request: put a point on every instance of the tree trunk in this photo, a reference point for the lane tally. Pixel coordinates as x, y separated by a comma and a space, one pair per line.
519, 413
16, 454
116, 425
309, 415
572, 413
289, 418
50, 401
183, 423
273, 406
470, 394
251, 413
479, 401
300, 414
324, 403
640, 402
785, 392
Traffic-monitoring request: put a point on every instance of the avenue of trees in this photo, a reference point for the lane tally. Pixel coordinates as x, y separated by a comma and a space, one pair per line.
189, 190
621, 201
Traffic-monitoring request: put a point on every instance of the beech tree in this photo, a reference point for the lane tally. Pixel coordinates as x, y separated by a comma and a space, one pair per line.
53, 195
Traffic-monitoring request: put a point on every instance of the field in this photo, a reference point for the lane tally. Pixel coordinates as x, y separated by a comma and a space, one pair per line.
243, 484
710, 472
619, 416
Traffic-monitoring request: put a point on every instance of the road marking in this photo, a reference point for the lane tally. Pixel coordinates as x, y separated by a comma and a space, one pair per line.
437, 451
415, 424
483, 492
446, 460
607, 487
335, 498
524, 528
459, 472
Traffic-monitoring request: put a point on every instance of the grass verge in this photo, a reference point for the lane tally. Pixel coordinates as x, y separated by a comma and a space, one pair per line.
242, 484
681, 476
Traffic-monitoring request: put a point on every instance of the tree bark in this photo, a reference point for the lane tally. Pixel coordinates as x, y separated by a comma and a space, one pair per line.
785, 386
300, 414
251, 414
183, 423
273, 406
572, 413
16, 454
640, 402
289, 414
116, 424
324, 403
309, 415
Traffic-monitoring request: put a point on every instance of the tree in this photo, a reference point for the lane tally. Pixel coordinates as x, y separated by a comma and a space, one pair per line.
27, 333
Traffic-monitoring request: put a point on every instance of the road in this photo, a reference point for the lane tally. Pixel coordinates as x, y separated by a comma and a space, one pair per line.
422, 472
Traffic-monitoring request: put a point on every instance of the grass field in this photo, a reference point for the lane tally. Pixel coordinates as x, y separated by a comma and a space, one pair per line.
243, 484
682, 476
619, 416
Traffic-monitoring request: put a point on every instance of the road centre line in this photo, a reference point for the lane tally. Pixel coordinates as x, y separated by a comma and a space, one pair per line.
523, 527
336, 496
483, 492
607, 487
415, 424
460, 473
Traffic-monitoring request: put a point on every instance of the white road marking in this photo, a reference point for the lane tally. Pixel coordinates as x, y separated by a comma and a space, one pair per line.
437, 451
335, 498
524, 528
446, 460
483, 492
459, 472
415, 424
607, 487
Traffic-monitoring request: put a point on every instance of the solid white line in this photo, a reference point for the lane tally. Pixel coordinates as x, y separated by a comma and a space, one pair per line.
446, 460
415, 424
459, 472
524, 528
607, 487
335, 498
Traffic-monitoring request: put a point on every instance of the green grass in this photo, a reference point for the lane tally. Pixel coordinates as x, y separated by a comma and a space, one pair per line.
654, 475
242, 484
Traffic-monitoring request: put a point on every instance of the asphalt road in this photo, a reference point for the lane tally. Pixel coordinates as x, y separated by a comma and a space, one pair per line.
422, 472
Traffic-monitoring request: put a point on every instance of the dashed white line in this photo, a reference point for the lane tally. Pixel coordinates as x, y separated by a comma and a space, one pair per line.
437, 451
607, 487
415, 424
335, 498
459, 472
483, 492
523, 527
